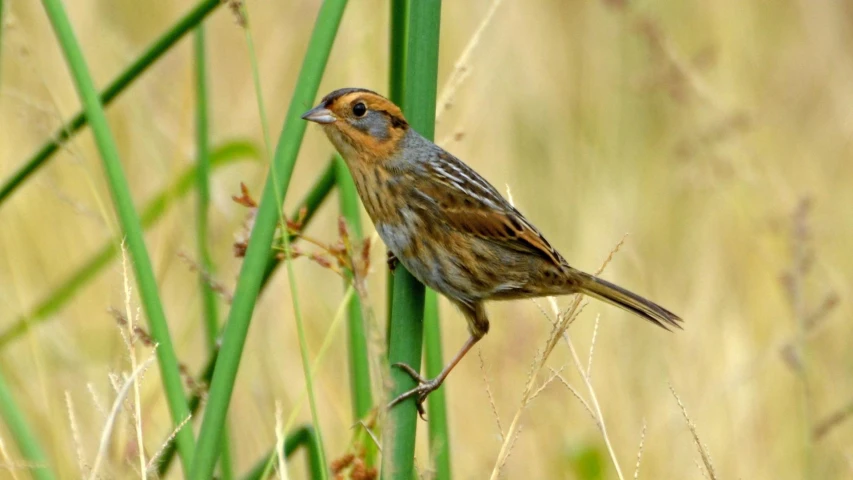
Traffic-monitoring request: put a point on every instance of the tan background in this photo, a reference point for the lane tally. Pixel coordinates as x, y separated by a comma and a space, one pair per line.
695, 127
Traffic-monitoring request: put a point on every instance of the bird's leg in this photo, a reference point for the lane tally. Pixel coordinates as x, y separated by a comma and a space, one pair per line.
425, 387
392, 260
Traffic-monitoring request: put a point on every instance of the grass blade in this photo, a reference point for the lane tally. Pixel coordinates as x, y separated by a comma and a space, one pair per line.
260, 242
359, 366
151, 213
439, 431
397, 50
406, 330
208, 296
305, 210
302, 437
118, 85
27, 442
292, 282
130, 224
396, 80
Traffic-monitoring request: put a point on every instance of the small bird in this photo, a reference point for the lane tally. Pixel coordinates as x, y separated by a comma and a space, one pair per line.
448, 226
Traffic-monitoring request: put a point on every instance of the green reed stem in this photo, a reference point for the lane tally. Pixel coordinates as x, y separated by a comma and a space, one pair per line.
304, 210
439, 430
260, 242
359, 366
396, 80
208, 296
151, 213
118, 85
21, 433
302, 437
397, 50
130, 223
165, 460
420, 109
291, 276
406, 330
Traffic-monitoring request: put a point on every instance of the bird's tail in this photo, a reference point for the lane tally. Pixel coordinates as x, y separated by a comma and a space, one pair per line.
616, 295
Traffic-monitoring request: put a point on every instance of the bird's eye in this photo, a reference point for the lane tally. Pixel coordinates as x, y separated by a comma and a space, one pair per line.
359, 109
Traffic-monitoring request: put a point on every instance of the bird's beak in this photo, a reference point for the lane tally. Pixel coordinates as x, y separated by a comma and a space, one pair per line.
320, 115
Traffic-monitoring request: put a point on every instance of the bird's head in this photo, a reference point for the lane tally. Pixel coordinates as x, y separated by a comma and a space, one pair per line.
360, 123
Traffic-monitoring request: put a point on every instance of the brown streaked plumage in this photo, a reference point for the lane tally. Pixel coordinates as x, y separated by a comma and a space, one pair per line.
447, 225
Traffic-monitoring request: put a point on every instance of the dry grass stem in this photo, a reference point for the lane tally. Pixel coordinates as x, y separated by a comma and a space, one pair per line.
834, 420
130, 343
96, 400
224, 292
592, 347
640, 451
554, 374
560, 326
152, 462
369, 429
593, 400
703, 451
114, 412
75, 434
536, 367
340, 315
462, 67
279, 443
7, 465
489, 394
578, 396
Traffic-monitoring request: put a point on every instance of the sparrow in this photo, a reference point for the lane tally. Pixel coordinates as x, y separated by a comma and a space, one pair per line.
450, 227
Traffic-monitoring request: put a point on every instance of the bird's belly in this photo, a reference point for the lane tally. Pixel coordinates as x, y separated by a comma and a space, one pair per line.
459, 266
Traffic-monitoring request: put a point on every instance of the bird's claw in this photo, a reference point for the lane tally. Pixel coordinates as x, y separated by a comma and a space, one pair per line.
420, 393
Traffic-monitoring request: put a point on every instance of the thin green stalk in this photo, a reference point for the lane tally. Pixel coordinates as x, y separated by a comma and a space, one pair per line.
291, 276
397, 50
359, 365
260, 242
302, 437
419, 97
419, 105
292, 282
211, 322
151, 213
405, 343
136, 69
208, 296
396, 80
21, 433
439, 430
305, 210
130, 224
165, 460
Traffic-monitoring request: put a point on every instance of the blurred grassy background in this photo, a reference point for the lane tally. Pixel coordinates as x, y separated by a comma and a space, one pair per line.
696, 127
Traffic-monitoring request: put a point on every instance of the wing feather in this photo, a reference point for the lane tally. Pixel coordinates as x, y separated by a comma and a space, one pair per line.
471, 205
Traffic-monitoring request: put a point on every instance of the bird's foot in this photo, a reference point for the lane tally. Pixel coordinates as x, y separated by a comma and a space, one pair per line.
420, 393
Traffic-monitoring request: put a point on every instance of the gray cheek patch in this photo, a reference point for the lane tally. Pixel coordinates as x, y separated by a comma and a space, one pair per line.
374, 124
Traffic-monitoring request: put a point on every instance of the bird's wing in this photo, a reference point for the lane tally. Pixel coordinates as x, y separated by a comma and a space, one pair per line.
470, 204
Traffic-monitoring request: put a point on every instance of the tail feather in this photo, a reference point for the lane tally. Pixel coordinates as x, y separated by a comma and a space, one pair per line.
616, 295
